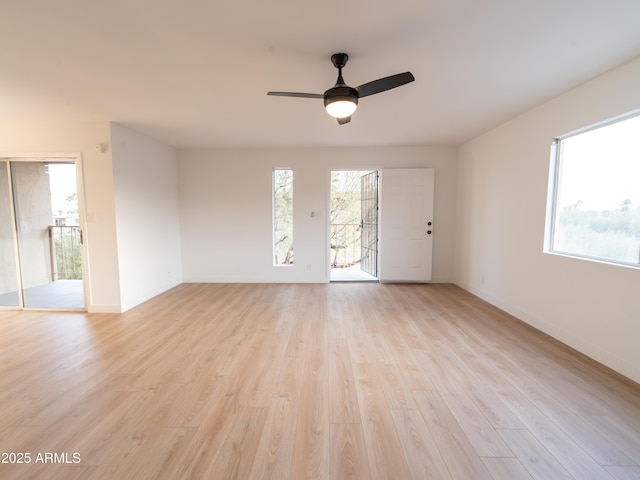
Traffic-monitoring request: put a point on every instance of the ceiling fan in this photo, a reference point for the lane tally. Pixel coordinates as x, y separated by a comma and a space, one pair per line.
341, 100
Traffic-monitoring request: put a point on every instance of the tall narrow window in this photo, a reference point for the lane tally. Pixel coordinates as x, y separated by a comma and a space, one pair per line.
595, 204
283, 216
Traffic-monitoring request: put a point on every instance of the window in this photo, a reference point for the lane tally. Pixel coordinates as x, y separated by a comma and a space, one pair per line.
283, 216
595, 193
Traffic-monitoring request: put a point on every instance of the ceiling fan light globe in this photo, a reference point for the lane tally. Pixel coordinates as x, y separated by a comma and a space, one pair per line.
341, 100
341, 108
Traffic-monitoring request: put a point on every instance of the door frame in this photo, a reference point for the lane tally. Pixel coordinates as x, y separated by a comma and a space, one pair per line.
61, 157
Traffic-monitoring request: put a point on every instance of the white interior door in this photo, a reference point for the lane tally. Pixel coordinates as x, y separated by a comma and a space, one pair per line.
406, 224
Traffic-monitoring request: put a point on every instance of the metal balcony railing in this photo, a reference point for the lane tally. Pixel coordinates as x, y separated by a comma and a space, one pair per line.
65, 246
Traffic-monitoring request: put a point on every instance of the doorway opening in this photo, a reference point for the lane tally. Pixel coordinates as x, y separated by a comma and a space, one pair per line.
40, 235
354, 226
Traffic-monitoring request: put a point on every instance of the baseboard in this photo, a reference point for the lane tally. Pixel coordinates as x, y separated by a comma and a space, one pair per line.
104, 309
605, 358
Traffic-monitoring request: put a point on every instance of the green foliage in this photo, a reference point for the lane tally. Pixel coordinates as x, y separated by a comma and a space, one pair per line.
608, 234
68, 254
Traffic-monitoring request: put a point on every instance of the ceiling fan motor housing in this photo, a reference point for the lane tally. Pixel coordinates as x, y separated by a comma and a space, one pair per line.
341, 93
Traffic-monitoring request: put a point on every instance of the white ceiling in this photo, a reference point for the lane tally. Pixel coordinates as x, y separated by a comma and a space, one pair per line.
194, 73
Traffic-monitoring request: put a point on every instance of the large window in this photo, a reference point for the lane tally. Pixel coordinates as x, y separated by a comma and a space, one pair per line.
283, 216
595, 193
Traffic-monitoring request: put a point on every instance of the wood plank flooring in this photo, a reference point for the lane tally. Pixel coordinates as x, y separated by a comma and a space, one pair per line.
319, 381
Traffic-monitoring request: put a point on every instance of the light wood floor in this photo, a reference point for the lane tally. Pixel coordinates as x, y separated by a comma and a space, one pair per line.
330, 381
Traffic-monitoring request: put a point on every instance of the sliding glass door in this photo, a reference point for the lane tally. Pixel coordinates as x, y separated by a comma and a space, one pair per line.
9, 284
41, 235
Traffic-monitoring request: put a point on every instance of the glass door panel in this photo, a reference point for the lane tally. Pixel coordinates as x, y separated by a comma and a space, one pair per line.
48, 232
9, 295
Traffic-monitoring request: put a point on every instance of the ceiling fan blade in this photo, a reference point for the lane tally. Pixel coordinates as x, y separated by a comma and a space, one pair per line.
384, 84
295, 94
344, 120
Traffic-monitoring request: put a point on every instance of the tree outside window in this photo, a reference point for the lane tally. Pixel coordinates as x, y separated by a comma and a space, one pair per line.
283, 216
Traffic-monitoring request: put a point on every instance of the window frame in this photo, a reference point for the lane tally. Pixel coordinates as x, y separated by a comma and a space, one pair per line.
554, 189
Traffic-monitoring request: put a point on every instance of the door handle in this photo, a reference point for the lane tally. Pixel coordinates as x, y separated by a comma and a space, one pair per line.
429, 225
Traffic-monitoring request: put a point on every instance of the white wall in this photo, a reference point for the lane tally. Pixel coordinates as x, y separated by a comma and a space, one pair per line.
226, 209
27, 138
145, 176
502, 193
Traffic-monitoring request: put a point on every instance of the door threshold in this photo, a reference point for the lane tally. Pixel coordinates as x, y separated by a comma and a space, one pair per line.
351, 275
